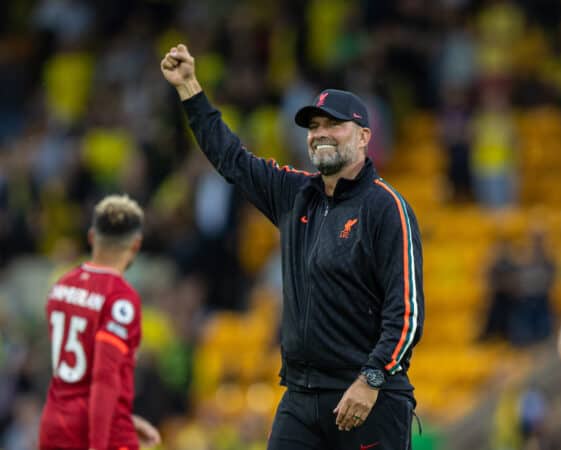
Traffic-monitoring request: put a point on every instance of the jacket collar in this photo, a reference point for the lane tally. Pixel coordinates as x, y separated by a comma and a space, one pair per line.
345, 187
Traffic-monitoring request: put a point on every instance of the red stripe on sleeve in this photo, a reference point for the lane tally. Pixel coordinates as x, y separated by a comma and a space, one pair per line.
405, 276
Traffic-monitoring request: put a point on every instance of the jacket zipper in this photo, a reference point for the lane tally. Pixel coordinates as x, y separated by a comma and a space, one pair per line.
308, 296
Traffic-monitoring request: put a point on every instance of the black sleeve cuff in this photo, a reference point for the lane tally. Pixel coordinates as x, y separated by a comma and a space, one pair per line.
196, 105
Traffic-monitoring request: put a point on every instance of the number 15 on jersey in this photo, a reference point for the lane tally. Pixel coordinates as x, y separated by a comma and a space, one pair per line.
61, 368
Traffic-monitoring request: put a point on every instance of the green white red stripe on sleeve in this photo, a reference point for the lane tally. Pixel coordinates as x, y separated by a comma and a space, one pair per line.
409, 284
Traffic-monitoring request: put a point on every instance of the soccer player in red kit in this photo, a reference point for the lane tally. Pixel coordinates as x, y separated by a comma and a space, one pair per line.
94, 319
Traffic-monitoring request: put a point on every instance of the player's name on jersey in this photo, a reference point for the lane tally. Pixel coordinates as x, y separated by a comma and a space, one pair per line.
77, 296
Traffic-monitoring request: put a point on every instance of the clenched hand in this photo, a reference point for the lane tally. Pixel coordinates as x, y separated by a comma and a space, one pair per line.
178, 68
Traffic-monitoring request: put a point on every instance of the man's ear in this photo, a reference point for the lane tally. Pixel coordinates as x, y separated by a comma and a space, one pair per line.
365, 136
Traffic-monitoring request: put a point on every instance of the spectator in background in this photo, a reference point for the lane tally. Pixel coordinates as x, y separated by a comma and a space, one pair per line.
520, 290
13, 355
531, 318
493, 157
520, 419
533, 414
360, 77
456, 71
455, 66
500, 27
295, 136
505, 430
209, 247
165, 367
67, 20
455, 134
501, 282
18, 197
21, 433
15, 82
559, 343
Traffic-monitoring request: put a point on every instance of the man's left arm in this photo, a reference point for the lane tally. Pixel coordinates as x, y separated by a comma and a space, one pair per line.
398, 256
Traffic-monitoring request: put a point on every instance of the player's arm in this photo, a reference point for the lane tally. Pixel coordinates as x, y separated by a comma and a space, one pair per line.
117, 336
105, 388
269, 187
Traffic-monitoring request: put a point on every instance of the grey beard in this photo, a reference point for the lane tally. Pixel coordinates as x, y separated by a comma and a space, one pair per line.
331, 168
333, 165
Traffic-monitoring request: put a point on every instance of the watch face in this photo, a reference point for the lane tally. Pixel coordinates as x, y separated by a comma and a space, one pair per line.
374, 378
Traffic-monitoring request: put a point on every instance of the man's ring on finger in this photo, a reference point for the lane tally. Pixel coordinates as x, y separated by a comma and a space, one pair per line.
356, 417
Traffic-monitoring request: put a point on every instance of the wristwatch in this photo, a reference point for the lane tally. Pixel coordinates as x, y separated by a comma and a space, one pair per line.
375, 378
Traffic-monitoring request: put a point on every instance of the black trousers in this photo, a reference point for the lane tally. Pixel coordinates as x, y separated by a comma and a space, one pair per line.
305, 421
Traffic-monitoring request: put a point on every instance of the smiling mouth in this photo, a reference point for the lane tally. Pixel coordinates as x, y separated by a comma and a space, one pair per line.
324, 146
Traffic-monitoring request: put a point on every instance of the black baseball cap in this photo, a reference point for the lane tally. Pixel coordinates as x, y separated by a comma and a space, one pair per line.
341, 105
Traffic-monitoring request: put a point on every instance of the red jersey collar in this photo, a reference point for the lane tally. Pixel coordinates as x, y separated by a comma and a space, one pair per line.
90, 267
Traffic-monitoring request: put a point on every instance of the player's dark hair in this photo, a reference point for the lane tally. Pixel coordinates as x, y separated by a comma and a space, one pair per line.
116, 219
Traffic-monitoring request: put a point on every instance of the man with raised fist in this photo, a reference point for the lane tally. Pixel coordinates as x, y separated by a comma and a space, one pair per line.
352, 271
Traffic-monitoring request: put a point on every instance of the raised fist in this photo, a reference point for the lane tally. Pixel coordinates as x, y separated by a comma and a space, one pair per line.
178, 66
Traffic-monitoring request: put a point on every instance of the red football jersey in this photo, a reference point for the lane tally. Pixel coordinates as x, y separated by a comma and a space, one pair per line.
94, 321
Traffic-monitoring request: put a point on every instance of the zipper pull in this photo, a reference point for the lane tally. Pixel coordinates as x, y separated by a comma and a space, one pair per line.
326, 210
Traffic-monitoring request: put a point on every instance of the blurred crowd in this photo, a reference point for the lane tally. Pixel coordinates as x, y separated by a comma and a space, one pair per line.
84, 111
520, 283
536, 415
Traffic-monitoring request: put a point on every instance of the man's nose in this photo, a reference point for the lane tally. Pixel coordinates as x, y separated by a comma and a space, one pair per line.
319, 131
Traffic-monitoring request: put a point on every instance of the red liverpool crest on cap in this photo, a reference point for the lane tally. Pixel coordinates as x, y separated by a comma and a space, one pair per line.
322, 97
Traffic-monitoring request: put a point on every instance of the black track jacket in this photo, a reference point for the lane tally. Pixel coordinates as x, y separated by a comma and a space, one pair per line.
351, 263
